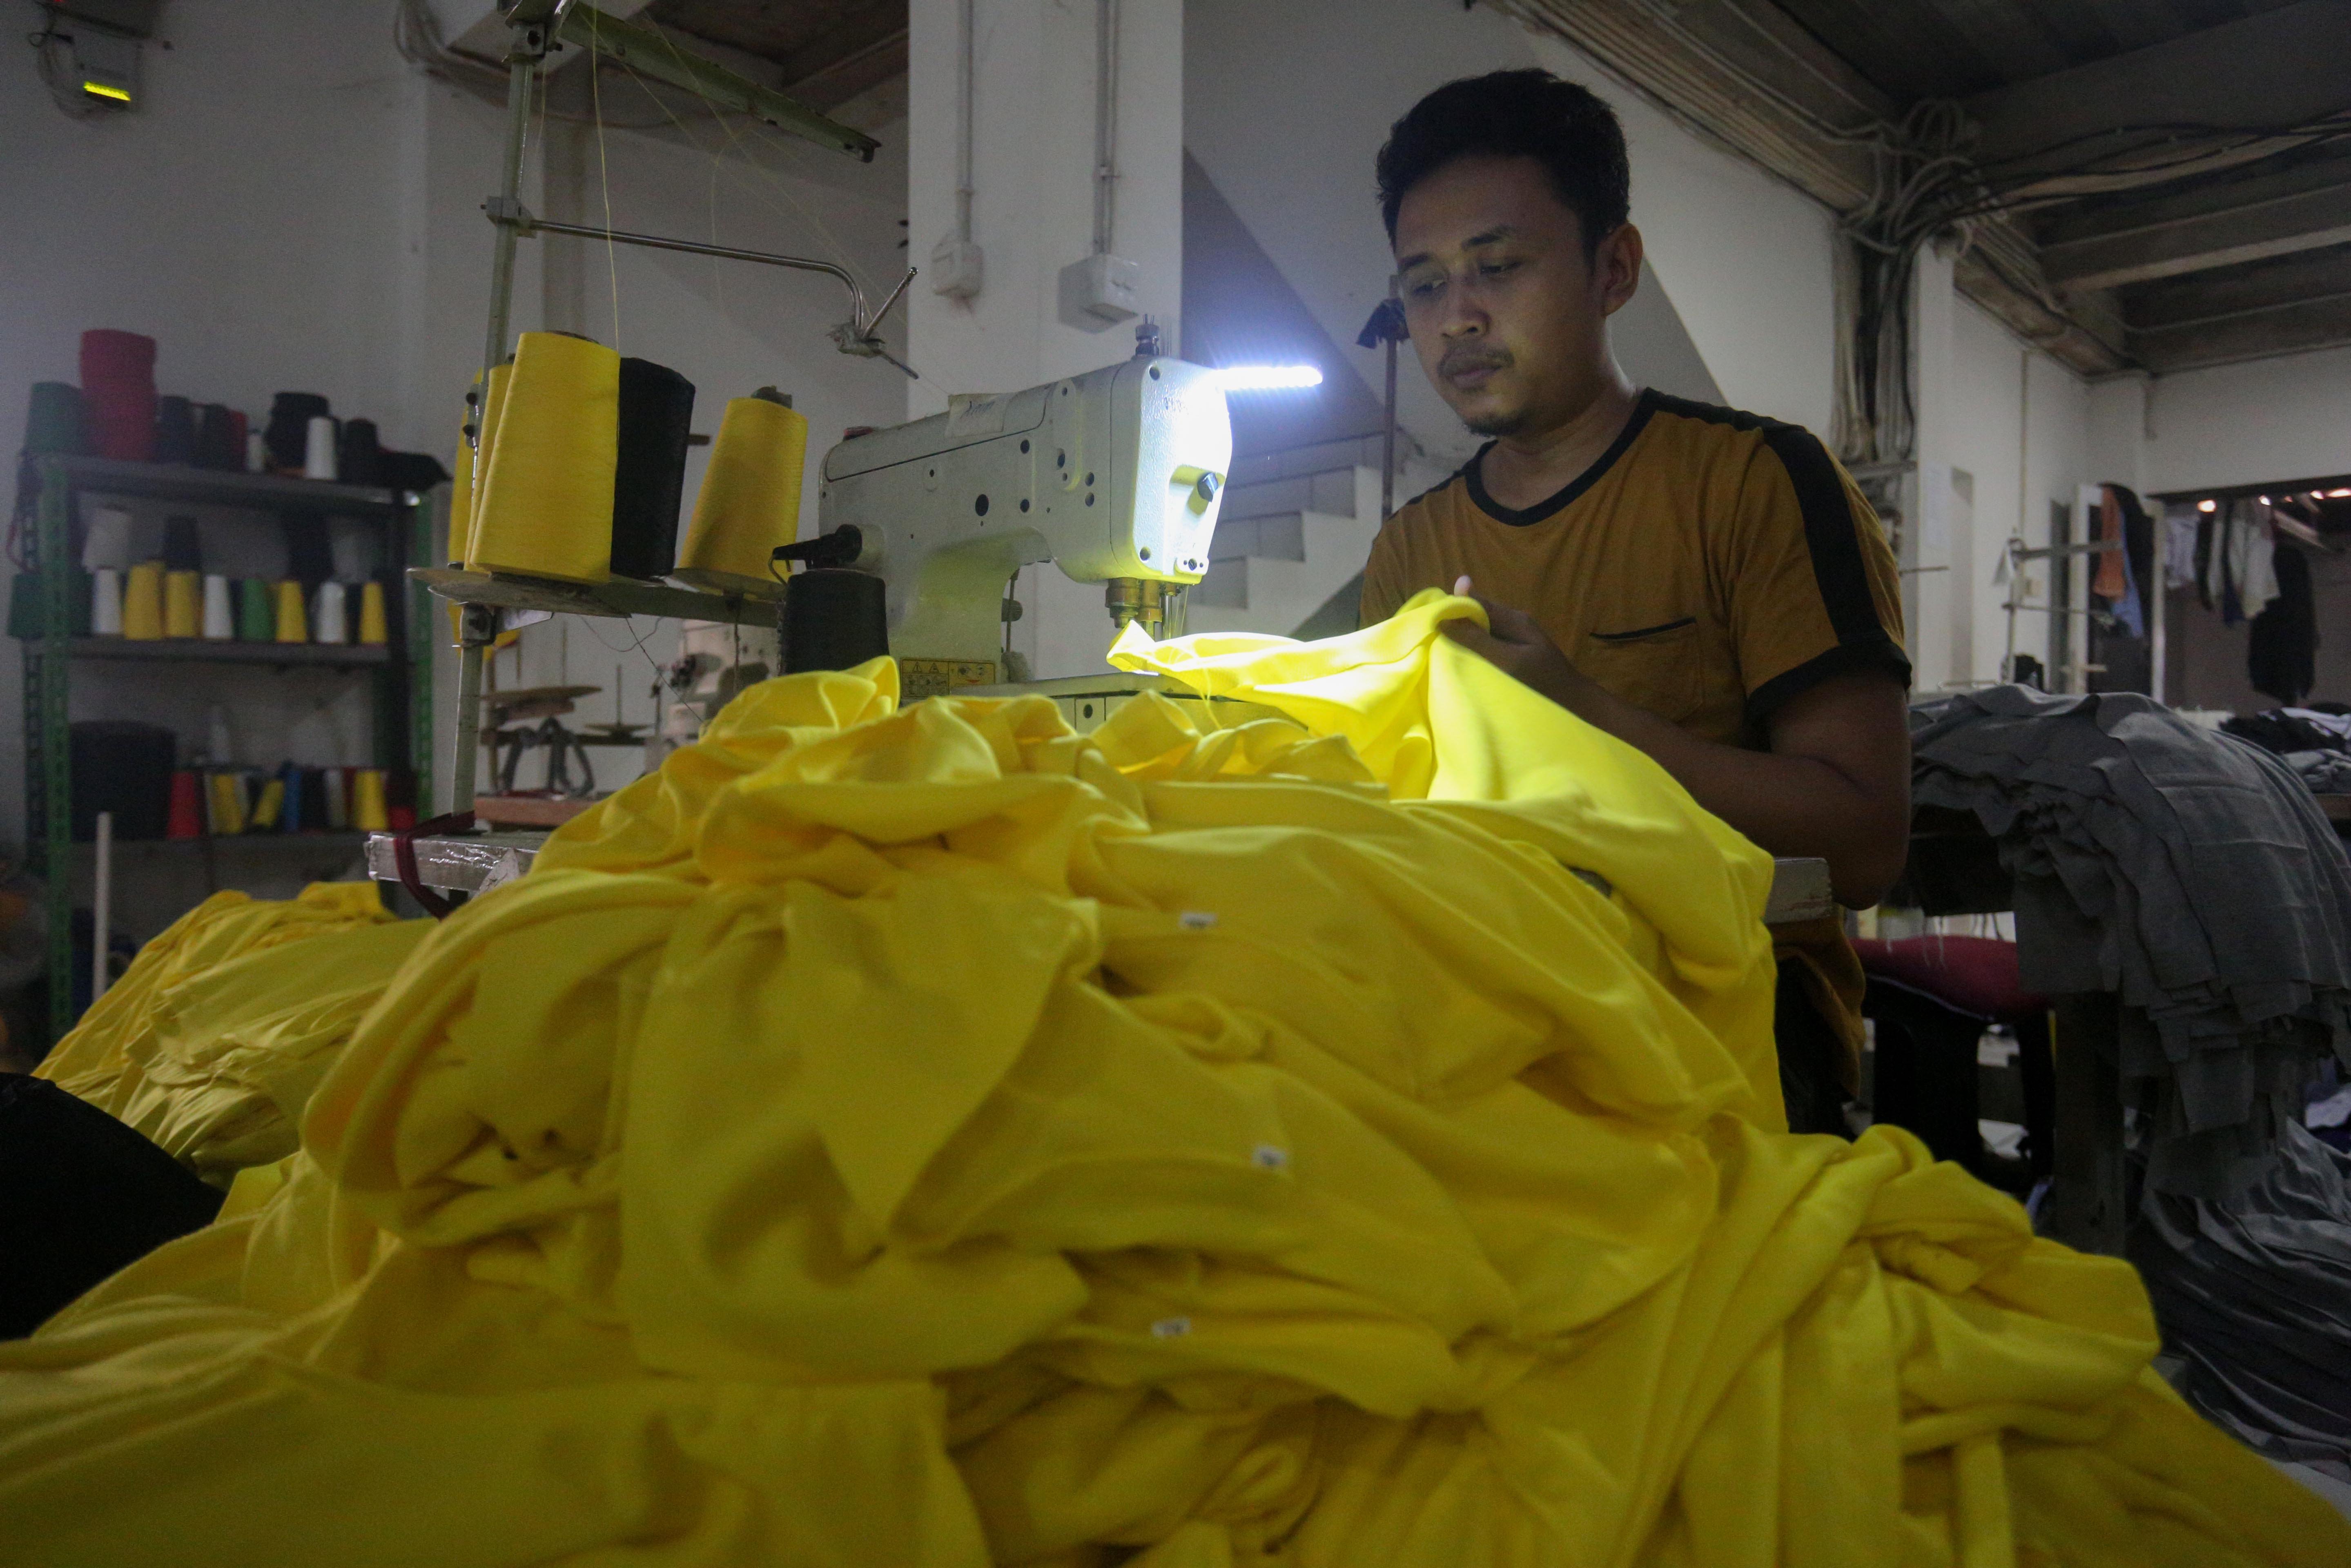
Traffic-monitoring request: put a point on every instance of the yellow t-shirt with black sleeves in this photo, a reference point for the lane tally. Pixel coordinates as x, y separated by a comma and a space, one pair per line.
1711, 565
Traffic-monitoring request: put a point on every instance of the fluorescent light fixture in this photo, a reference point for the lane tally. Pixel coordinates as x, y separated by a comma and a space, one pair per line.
2338, 495
2265, 500
105, 89
2207, 506
1266, 378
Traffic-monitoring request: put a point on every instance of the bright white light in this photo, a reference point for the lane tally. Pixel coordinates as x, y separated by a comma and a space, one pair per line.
2265, 500
2207, 506
2338, 495
1266, 378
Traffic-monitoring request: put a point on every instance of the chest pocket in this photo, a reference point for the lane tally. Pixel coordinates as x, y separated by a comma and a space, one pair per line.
1657, 666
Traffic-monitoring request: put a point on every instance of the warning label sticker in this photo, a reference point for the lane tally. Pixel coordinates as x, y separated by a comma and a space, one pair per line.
920, 678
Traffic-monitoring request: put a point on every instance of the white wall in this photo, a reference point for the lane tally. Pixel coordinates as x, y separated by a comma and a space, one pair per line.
2011, 403
2284, 418
1286, 101
295, 207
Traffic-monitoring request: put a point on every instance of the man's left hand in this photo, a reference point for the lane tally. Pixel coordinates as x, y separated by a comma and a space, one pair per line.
1519, 647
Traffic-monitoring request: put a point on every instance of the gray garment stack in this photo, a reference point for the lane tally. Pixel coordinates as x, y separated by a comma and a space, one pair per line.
2187, 873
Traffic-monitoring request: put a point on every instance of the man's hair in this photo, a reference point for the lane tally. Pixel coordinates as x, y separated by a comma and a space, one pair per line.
1515, 114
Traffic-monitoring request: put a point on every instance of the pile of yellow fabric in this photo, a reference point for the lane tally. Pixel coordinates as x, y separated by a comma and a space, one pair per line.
212, 1042
932, 1137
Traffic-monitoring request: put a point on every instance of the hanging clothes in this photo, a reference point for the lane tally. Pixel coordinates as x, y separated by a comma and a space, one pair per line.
2112, 579
2182, 525
2281, 652
2247, 562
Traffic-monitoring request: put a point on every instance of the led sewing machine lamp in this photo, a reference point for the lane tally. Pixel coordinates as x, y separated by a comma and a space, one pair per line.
88, 52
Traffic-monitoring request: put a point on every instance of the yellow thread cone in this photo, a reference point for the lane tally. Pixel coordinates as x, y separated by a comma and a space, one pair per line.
750, 499
228, 804
374, 632
142, 602
183, 605
367, 801
293, 620
270, 806
546, 507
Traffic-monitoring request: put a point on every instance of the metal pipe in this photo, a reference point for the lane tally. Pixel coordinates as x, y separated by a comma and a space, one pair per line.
469, 703
101, 902
521, 74
1105, 124
965, 76
863, 320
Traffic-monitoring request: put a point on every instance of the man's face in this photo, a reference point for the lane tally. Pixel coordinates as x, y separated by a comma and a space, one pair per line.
1507, 314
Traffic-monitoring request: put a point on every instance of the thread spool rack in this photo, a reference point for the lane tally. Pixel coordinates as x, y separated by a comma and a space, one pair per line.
400, 671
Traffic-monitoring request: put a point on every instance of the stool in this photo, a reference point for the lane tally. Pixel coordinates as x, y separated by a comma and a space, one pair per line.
1931, 998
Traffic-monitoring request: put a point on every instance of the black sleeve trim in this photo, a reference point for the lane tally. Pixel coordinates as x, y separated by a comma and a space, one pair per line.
1875, 655
1829, 533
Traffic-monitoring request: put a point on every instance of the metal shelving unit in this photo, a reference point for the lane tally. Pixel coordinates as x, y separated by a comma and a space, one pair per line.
401, 671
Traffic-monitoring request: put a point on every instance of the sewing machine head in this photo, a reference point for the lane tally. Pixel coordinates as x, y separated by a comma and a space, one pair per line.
1115, 477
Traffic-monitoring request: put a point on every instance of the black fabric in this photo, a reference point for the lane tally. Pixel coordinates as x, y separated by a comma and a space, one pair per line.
2282, 647
82, 1196
2279, 731
649, 473
1475, 469
217, 446
309, 555
1811, 1078
359, 459
175, 430
2204, 531
415, 471
287, 434
183, 547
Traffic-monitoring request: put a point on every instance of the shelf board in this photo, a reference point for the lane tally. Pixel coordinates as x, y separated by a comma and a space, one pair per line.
197, 651
620, 597
348, 841
218, 487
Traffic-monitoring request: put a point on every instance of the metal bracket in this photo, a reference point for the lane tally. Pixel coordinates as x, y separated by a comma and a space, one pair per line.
855, 336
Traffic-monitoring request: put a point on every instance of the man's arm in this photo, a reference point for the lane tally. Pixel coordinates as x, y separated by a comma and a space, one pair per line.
1836, 783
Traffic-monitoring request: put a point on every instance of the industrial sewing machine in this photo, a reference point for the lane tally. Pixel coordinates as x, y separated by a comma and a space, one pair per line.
1115, 477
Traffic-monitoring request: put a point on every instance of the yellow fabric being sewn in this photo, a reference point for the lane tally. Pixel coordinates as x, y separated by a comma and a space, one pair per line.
929, 1136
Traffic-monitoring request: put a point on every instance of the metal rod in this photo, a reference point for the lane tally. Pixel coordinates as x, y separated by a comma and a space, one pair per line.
469, 719
864, 322
2096, 547
101, 904
964, 86
1105, 124
522, 72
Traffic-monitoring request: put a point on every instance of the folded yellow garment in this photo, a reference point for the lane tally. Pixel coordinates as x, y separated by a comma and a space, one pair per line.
212, 1042
932, 1137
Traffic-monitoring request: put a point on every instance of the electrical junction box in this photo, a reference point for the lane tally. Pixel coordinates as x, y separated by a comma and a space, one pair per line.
957, 268
1105, 287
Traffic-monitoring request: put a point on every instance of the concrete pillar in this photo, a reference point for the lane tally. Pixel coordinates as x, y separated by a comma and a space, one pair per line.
1033, 117
1937, 551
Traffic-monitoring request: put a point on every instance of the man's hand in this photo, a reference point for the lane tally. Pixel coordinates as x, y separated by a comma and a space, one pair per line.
1520, 648
1836, 783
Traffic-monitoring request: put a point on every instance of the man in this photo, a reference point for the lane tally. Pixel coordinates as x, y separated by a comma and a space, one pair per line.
1704, 584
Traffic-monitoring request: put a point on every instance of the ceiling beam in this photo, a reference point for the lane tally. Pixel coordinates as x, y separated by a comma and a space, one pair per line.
2220, 224
2237, 290
2286, 328
2276, 68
